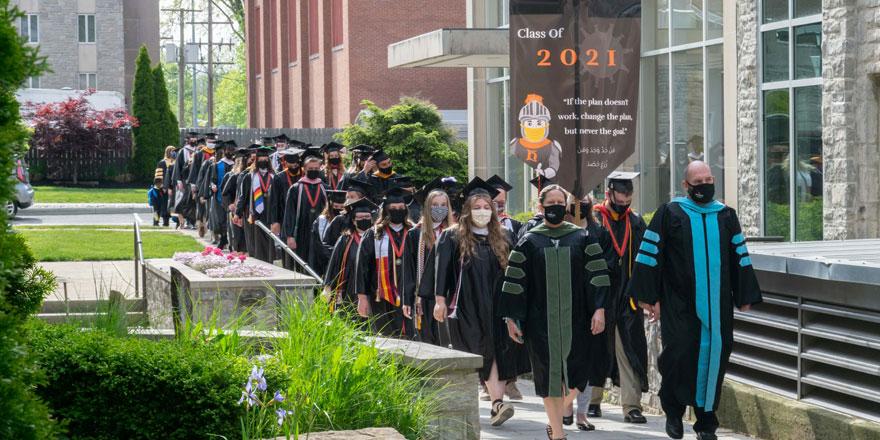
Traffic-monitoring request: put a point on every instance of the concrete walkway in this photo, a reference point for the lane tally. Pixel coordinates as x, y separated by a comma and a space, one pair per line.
88, 280
530, 420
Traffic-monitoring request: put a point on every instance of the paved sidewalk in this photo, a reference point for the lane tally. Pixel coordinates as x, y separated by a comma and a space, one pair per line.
530, 420
88, 280
87, 208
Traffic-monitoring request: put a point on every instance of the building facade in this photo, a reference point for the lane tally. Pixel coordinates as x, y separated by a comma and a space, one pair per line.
311, 62
90, 44
780, 97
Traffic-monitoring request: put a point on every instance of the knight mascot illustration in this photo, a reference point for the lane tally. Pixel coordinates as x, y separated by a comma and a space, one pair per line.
535, 147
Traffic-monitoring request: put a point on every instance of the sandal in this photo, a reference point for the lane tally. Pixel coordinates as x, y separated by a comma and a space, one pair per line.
550, 434
568, 420
586, 426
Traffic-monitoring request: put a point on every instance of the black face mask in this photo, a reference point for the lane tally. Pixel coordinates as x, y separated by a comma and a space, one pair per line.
554, 214
363, 224
387, 170
334, 160
620, 209
263, 165
702, 193
313, 174
397, 216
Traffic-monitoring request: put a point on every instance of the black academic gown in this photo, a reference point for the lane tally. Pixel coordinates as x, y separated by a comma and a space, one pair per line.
217, 210
388, 317
623, 312
334, 230
334, 181
300, 211
417, 257
228, 193
196, 180
281, 183
319, 254
341, 271
536, 220
556, 279
183, 197
260, 245
474, 325
693, 259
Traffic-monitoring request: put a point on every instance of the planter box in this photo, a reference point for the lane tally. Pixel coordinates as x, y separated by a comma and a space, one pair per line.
174, 292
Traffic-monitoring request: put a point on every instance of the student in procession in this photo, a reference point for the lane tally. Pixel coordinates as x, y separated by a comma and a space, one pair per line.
382, 179
355, 190
500, 202
340, 277
218, 214
197, 178
166, 167
360, 160
253, 203
184, 204
319, 253
553, 301
628, 346
539, 182
281, 143
229, 196
305, 201
333, 174
290, 173
693, 267
380, 273
436, 217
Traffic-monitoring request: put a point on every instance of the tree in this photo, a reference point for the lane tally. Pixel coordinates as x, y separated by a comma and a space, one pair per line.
72, 129
413, 134
22, 284
231, 95
149, 104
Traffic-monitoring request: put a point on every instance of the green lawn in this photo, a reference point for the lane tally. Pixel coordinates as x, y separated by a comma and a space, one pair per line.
54, 244
60, 194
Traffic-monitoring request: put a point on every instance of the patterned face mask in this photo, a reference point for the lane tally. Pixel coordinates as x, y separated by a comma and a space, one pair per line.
439, 213
481, 217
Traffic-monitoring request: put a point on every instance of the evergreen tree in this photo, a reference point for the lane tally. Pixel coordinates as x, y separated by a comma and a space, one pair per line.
147, 149
169, 133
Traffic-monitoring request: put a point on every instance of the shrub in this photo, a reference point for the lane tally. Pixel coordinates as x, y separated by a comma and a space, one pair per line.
107, 387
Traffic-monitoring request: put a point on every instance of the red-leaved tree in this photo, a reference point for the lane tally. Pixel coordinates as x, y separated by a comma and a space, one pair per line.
67, 135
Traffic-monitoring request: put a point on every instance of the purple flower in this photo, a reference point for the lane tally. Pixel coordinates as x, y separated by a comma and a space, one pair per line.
278, 397
281, 415
257, 377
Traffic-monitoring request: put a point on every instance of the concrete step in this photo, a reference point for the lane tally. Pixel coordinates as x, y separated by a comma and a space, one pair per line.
132, 319
91, 306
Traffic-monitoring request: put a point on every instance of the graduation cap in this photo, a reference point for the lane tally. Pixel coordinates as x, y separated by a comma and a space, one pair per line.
201, 141
447, 184
540, 182
292, 154
211, 136
379, 155
312, 151
395, 194
479, 186
621, 181
401, 181
192, 134
298, 144
363, 150
243, 152
267, 140
228, 144
359, 184
264, 150
336, 196
360, 205
332, 146
282, 138
499, 183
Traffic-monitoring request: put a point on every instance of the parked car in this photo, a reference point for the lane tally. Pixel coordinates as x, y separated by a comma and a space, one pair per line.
22, 193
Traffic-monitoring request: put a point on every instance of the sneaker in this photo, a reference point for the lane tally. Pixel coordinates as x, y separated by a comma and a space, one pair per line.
512, 391
501, 412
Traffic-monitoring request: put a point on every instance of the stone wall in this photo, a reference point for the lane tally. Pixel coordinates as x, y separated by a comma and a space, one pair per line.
748, 117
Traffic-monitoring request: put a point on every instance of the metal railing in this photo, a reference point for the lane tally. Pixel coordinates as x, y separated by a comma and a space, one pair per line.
140, 267
284, 248
812, 340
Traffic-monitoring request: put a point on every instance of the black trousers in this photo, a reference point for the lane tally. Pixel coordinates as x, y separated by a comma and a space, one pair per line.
706, 421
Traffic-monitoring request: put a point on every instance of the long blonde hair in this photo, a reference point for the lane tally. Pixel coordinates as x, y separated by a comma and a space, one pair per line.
427, 223
467, 242
169, 160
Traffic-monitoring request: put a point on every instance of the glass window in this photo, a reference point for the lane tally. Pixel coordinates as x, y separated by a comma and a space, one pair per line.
497, 13
803, 8
86, 28
687, 21
715, 115
687, 112
776, 164
808, 168
32, 82
808, 51
655, 24
714, 18
775, 10
654, 113
775, 55
29, 28
88, 81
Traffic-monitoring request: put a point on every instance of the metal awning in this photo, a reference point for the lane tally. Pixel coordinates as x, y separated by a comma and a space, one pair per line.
851, 261
453, 48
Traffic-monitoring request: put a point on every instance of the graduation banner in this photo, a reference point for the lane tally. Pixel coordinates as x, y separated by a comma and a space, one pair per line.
574, 67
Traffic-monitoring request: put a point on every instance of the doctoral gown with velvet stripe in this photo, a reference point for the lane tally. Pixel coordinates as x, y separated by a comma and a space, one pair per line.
555, 281
693, 260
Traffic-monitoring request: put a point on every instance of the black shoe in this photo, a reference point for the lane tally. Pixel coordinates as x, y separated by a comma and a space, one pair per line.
594, 411
635, 416
706, 436
155, 223
568, 420
674, 428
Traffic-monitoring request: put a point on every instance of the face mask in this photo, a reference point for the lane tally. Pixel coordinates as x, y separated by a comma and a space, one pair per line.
439, 213
397, 216
702, 193
386, 170
334, 212
334, 161
620, 209
263, 165
481, 217
363, 224
174, 155
293, 167
313, 174
534, 134
554, 214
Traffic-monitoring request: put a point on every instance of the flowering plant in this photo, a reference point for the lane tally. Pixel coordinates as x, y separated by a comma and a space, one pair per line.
215, 264
264, 416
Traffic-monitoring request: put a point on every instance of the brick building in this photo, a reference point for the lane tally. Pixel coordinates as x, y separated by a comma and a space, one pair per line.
90, 44
311, 62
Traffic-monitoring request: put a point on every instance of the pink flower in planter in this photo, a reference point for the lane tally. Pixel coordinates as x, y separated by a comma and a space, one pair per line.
218, 251
242, 257
208, 250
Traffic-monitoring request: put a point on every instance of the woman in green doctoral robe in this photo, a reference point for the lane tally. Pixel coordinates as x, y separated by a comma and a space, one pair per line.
553, 299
